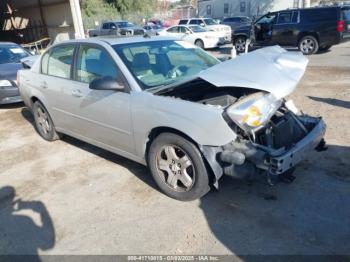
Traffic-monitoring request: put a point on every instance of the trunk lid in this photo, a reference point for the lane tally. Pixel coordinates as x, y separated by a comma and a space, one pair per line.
270, 69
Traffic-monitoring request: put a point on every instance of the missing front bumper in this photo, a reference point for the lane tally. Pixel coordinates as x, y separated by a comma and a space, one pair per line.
241, 159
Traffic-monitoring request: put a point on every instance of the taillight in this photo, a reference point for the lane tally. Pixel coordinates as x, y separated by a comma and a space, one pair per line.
340, 26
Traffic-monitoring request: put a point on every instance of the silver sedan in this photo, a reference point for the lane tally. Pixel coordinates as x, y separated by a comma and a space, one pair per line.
170, 105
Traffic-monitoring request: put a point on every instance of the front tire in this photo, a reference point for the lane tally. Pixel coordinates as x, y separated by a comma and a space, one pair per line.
178, 168
308, 45
199, 43
43, 122
240, 43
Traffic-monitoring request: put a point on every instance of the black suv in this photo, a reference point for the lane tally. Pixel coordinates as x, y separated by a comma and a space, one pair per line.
309, 29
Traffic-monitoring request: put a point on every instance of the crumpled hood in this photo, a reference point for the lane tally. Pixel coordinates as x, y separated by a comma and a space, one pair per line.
271, 69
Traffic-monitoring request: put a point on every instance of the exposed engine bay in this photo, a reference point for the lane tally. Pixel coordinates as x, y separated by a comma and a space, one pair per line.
273, 145
201, 91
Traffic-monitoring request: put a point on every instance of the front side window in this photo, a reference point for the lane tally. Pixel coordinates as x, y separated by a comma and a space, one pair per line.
210, 21
159, 63
93, 63
60, 61
174, 29
267, 19
106, 26
183, 30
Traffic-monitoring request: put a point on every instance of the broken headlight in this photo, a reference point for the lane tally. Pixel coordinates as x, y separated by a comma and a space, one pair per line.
254, 111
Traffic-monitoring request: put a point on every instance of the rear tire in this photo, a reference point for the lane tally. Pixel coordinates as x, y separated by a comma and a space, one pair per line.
178, 168
308, 45
43, 123
199, 43
240, 43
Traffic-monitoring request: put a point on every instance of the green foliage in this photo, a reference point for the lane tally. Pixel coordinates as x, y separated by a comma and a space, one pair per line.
133, 10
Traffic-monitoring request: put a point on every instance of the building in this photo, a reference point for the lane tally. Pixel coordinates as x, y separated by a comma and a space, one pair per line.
24, 21
219, 9
183, 12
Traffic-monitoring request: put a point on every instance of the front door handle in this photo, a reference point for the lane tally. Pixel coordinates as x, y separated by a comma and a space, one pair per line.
77, 93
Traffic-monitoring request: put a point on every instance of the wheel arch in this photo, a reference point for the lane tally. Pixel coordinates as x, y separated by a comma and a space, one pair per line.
302, 34
155, 132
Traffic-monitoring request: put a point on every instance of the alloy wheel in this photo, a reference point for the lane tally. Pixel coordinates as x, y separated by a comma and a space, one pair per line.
307, 46
175, 168
240, 45
43, 120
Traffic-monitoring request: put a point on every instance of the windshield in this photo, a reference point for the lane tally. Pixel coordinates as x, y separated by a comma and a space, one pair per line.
161, 63
11, 54
210, 21
197, 29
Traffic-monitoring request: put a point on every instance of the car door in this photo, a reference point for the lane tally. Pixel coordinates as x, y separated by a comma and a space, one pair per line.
56, 69
174, 32
99, 116
263, 28
285, 31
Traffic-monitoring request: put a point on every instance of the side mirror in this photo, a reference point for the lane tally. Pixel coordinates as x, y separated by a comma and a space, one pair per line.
202, 24
105, 83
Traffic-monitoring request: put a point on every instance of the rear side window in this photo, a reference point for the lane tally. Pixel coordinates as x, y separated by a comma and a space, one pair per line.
183, 22
195, 22
93, 63
60, 61
320, 15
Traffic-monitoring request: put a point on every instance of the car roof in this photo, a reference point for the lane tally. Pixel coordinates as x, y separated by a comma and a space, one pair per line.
7, 43
119, 40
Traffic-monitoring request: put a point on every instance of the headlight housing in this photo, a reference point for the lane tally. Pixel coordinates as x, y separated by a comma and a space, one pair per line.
4, 83
254, 111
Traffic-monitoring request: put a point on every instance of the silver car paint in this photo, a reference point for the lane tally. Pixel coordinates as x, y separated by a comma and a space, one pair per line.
271, 69
124, 121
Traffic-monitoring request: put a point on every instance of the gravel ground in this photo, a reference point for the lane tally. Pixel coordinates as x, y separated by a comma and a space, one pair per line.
73, 198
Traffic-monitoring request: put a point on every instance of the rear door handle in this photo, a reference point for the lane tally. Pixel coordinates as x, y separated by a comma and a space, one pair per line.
77, 93
43, 85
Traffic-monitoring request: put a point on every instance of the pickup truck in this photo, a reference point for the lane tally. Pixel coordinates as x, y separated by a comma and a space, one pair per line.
117, 28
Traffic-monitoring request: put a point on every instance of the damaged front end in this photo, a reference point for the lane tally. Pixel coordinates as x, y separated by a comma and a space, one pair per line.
271, 136
277, 147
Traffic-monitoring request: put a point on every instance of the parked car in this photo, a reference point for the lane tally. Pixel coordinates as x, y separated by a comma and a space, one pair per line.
237, 21
175, 108
194, 34
152, 29
117, 28
210, 24
309, 29
10, 62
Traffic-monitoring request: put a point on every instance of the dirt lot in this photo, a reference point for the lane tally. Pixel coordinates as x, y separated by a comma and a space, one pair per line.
78, 199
